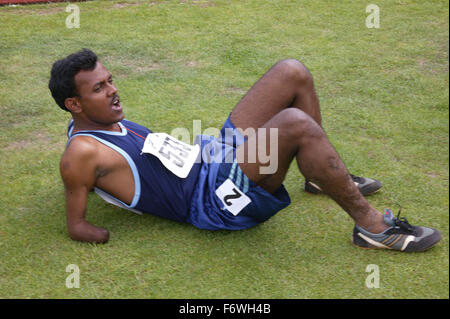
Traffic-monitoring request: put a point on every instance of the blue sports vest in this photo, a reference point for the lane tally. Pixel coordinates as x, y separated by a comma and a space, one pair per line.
157, 191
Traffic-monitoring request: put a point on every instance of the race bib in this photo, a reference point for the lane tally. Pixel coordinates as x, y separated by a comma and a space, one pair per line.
176, 156
233, 199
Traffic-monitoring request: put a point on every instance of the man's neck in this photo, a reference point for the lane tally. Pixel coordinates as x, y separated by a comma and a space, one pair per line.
77, 126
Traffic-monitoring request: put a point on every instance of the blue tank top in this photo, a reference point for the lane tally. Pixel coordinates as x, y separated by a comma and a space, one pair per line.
157, 191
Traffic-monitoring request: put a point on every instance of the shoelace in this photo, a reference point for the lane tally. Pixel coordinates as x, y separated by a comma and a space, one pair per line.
403, 222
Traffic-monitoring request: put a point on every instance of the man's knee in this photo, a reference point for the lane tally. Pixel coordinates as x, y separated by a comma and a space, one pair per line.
297, 124
294, 70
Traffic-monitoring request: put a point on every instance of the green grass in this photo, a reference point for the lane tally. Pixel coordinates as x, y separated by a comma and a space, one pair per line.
384, 94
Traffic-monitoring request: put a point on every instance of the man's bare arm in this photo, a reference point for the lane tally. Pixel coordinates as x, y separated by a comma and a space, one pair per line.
78, 170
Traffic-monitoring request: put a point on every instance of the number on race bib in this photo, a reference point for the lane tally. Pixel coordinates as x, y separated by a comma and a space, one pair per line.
233, 199
176, 156
174, 152
227, 198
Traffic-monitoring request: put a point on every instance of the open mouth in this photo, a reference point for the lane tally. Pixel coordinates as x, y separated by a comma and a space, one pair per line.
116, 104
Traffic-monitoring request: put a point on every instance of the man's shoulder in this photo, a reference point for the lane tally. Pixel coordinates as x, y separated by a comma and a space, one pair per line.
79, 161
81, 148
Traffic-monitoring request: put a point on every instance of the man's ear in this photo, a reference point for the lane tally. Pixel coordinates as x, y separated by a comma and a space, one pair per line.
73, 104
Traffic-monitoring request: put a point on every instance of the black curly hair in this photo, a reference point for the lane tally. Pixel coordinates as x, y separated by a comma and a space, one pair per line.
62, 76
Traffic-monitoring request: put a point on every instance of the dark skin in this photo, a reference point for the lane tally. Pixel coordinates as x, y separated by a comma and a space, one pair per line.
87, 163
284, 98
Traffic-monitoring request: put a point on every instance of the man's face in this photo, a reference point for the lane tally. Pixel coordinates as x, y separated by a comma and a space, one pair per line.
98, 96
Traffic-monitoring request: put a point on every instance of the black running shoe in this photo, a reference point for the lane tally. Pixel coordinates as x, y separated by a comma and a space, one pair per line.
365, 185
400, 236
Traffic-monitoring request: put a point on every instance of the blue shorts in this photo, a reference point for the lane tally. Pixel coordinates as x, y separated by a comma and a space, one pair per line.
224, 197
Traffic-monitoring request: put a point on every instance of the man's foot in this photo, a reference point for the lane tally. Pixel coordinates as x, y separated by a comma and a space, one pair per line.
399, 236
365, 185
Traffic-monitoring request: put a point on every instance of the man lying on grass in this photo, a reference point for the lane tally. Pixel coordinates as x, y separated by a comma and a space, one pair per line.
220, 184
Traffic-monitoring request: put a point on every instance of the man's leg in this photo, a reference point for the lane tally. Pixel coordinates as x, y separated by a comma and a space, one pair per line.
288, 84
274, 102
302, 139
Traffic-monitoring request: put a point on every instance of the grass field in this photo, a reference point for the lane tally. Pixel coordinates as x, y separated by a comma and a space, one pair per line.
384, 95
